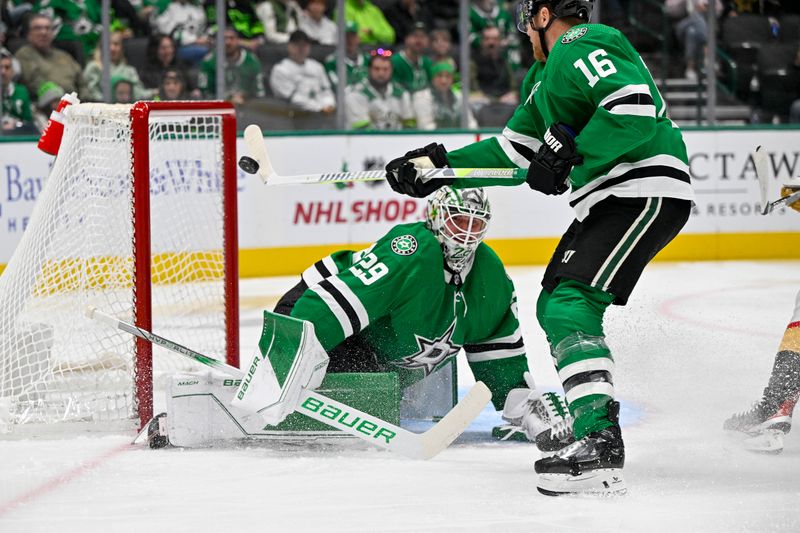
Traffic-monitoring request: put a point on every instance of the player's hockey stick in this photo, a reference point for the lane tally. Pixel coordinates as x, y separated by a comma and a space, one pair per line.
341, 416
260, 164
767, 206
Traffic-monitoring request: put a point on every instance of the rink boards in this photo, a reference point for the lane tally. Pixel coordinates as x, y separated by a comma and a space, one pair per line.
283, 229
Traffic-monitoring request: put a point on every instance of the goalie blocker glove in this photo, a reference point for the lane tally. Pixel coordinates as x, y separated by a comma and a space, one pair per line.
404, 176
551, 165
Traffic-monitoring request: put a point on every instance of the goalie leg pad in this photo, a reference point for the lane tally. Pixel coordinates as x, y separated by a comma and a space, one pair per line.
291, 360
199, 410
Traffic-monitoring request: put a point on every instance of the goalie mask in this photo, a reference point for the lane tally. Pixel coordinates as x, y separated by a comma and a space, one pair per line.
459, 218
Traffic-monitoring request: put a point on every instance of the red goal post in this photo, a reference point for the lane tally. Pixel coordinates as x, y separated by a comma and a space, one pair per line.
141, 113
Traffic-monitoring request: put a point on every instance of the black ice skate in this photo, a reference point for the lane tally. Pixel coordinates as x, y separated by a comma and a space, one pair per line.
592, 465
765, 424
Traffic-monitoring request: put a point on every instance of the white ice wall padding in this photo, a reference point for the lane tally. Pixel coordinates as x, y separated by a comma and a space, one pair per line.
55, 364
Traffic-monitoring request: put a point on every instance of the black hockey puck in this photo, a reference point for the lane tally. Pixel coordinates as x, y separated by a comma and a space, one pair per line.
248, 164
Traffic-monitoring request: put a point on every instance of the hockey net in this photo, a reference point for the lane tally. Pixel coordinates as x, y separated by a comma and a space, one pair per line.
137, 218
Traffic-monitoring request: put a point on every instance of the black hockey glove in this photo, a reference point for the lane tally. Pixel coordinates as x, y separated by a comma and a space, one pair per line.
551, 165
404, 176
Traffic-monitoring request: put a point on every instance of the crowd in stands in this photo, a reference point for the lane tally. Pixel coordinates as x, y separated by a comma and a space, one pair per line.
401, 65
401, 59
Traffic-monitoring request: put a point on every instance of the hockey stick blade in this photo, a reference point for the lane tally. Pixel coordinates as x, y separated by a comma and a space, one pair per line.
371, 429
254, 140
760, 161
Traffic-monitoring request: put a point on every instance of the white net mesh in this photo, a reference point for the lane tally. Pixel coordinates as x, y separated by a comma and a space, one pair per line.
57, 365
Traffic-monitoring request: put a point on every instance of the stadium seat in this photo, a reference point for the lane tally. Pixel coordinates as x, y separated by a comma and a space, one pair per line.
790, 29
779, 79
270, 55
135, 49
322, 51
742, 37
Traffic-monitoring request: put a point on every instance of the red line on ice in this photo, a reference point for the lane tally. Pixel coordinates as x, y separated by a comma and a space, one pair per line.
55, 482
668, 308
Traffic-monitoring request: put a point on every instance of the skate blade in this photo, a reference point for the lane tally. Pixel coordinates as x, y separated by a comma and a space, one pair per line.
141, 437
768, 442
603, 482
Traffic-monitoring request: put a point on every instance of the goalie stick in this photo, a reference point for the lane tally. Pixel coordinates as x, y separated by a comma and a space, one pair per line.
260, 164
767, 206
333, 413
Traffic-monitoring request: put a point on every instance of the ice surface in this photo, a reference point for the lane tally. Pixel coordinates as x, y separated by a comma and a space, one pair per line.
695, 344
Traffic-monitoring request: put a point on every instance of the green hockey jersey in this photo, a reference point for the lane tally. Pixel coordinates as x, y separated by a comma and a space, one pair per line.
399, 298
595, 82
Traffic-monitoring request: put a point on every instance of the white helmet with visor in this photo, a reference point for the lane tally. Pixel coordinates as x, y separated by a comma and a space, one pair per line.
459, 218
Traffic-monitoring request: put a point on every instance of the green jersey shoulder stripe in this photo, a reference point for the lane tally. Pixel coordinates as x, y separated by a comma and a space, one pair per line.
339, 305
349, 304
320, 270
630, 100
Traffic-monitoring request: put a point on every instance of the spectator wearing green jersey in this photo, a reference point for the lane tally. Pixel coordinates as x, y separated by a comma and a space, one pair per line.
244, 78
15, 101
373, 28
377, 103
77, 25
441, 50
485, 13
122, 90
440, 105
280, 19
185, 21
47, 99
93, 73
356, 62
411, 67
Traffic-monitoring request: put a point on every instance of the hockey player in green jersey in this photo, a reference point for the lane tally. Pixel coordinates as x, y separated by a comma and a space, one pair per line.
412, 301
418, 295
592, 120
